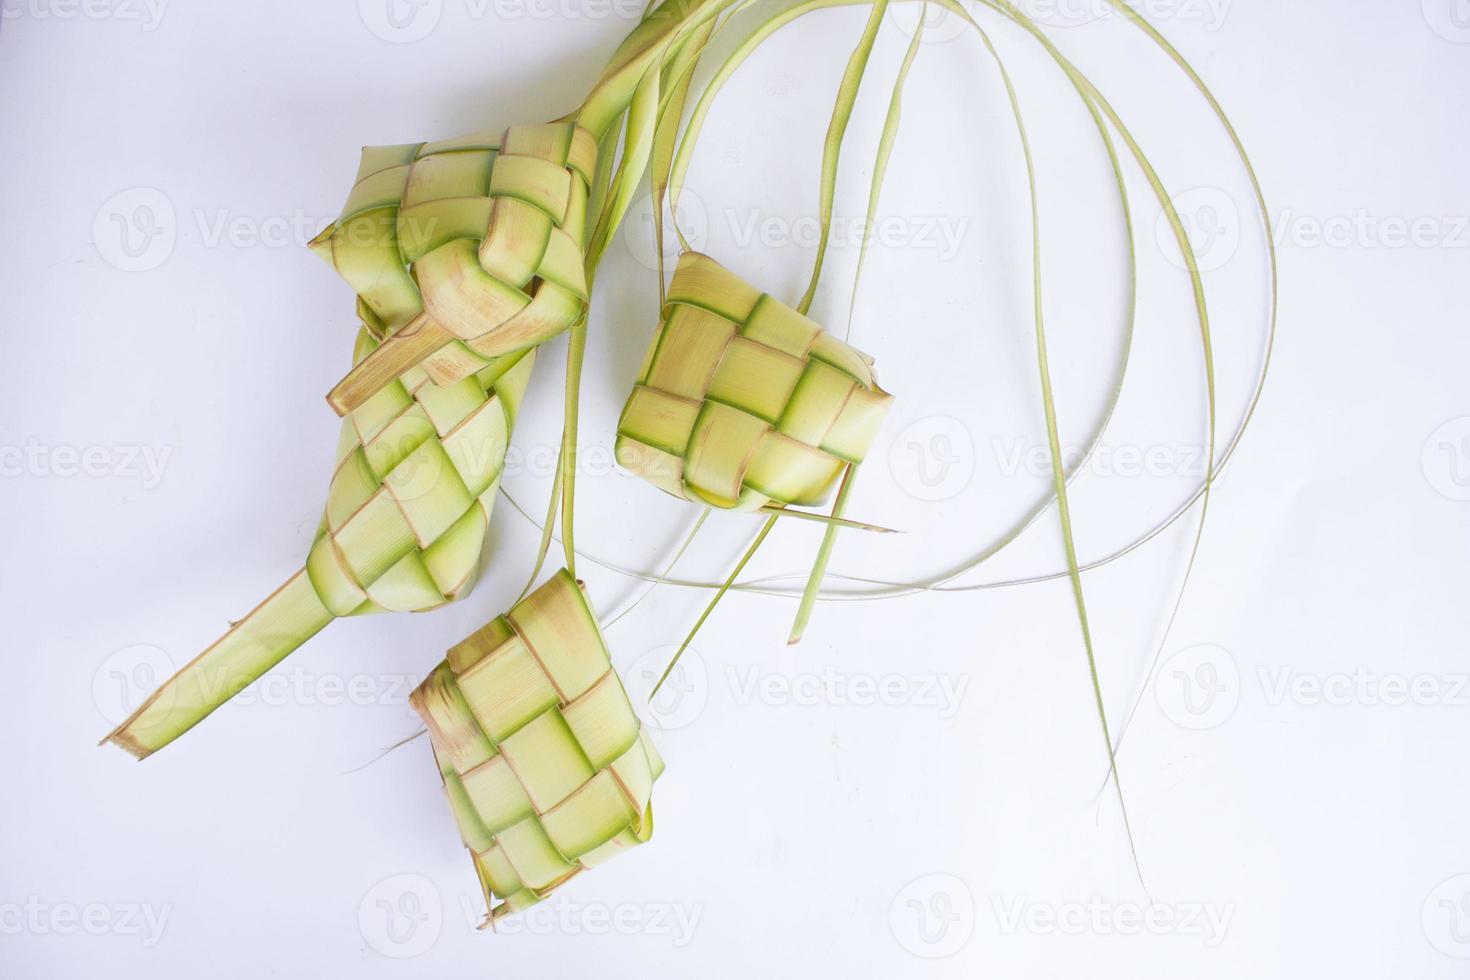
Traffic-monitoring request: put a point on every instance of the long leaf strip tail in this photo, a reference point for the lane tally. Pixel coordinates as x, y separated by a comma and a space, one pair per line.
272, 631
418, 472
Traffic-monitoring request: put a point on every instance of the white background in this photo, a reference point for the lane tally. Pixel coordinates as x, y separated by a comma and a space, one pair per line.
1296, 772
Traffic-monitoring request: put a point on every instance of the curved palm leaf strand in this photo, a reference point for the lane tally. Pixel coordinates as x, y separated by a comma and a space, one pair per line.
875, 191
847, 92
681, 165
890, 589
734, 573
886, 142
842, 109
1260, 198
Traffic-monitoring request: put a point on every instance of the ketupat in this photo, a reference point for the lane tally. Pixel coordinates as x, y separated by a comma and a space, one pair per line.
418, 469
546, 767
412, 551
478, 246
468, 249
658, 44
744, 403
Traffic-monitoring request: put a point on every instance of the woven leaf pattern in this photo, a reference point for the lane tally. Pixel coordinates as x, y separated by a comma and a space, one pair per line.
545, 765
418, 468
743, 401
480, 237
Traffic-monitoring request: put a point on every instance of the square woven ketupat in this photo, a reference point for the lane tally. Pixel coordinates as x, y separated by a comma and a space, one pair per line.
466, 249
547, 769
744, 402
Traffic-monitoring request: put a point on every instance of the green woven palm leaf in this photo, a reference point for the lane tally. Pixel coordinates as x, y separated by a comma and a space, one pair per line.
467, 249
743, 402
546, 767
417, 471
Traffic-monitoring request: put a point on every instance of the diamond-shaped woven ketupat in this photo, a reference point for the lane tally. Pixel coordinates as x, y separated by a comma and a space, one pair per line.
546, 767
418, 469
466, 249
744, 402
